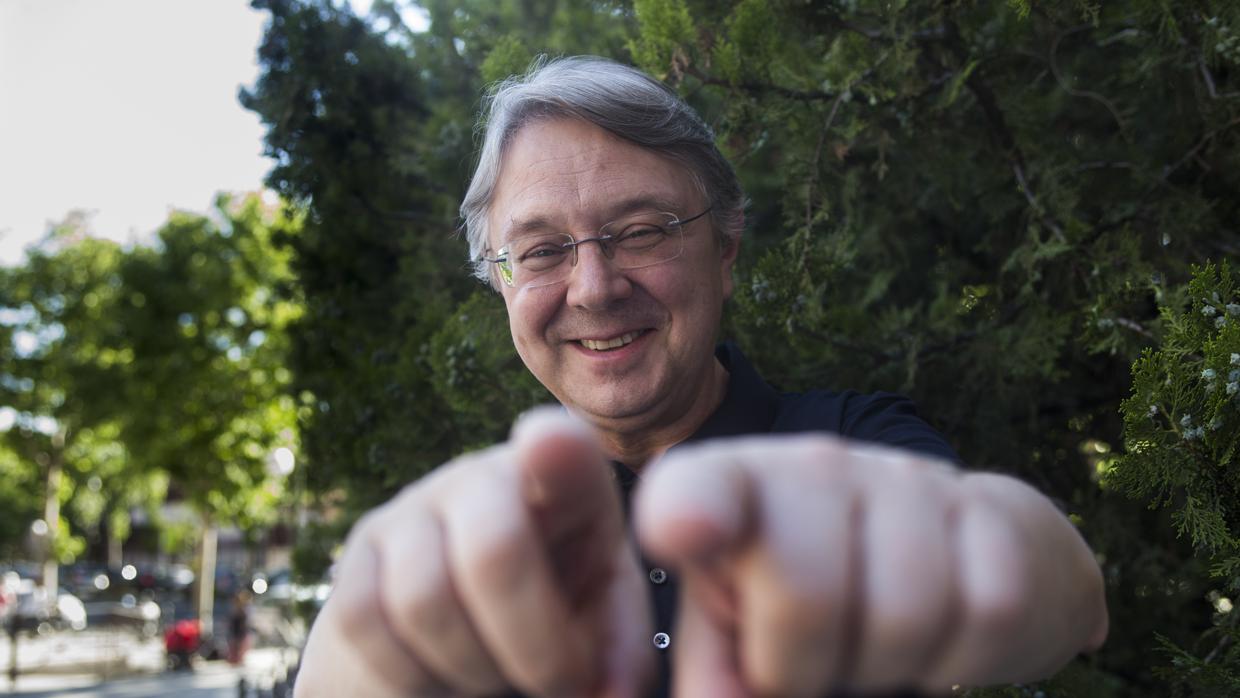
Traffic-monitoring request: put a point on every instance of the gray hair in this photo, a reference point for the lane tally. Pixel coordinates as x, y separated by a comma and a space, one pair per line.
615, 97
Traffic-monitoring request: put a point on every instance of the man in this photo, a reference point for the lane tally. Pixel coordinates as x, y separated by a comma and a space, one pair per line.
819, 542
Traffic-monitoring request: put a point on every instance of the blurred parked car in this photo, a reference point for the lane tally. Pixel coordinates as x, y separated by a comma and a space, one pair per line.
35, 612
119, 597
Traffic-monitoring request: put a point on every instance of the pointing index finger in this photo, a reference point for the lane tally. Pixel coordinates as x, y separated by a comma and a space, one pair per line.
695, 502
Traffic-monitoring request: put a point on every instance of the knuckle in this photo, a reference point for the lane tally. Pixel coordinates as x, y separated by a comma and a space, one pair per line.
499, 554
365, 527
822, 459
423, 604
356, 608
825, 448
996, 614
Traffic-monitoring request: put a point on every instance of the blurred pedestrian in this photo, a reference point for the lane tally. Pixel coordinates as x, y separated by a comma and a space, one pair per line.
239, 627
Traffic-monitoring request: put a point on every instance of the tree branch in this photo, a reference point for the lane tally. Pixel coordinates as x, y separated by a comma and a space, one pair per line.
1033, 200
1209, 136
999, 128
1063, 84
761, 87
813, 173
1222, 643
1208, 78
1103, 165
1135, 327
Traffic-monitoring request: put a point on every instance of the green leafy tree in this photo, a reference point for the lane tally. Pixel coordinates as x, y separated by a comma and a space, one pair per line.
206, 384
1182, 434
58, 371
21, 497
206, 378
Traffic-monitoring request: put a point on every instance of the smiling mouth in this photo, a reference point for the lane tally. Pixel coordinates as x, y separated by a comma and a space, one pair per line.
609, 344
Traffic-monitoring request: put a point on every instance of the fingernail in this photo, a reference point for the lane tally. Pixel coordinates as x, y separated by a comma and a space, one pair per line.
544, 419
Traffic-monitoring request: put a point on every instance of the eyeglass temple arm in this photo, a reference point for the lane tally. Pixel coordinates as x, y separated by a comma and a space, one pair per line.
690, 219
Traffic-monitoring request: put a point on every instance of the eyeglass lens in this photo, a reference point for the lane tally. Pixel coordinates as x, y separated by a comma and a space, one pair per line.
631, 243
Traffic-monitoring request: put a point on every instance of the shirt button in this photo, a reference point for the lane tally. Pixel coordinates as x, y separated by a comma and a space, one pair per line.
658, 575
662, 640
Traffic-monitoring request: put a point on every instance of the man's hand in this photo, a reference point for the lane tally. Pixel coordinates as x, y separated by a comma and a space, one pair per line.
810, 563
507, 568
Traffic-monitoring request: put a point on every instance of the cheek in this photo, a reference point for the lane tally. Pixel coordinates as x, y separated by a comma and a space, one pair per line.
528, 317
691, 297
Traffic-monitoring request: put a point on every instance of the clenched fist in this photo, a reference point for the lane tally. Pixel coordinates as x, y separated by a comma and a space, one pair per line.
507, 568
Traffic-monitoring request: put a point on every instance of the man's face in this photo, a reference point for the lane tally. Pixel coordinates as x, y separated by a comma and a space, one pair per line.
574, 177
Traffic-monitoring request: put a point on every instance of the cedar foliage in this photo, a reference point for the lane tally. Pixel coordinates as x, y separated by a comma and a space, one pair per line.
994, 208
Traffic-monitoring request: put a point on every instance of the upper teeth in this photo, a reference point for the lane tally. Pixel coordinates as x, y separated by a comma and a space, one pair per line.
602, 344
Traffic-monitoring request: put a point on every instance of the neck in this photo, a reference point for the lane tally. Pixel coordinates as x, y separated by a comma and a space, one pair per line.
640, 444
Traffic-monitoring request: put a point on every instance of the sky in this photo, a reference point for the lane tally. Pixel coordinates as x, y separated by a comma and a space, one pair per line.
126, 109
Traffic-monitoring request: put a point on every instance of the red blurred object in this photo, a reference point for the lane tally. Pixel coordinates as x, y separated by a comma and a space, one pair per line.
181, 641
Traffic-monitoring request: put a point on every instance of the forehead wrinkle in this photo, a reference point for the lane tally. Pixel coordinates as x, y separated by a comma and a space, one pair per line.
580, 185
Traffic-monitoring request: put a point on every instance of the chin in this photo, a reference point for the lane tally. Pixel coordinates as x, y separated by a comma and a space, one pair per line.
611, 405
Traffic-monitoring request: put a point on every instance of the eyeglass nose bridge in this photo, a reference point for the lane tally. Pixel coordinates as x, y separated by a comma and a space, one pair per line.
604, 244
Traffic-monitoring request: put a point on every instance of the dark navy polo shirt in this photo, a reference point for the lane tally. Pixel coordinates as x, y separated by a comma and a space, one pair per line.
751, 406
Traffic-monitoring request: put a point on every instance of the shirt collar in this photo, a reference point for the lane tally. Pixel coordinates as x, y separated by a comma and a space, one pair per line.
748, 406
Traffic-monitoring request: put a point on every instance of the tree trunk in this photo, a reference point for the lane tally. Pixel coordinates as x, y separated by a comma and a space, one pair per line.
51, 516
114, 549
206, 577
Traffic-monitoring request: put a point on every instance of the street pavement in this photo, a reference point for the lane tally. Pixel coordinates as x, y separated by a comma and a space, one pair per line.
121, 665
104, 653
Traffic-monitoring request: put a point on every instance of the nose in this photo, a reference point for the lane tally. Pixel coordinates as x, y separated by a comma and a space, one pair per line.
594, 282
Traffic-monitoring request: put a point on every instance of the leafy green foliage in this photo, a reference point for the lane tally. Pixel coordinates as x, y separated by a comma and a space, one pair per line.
208, 343
1182, 422
468, 355
59, 367
665, 32
1181, 433
137, 375
20, 498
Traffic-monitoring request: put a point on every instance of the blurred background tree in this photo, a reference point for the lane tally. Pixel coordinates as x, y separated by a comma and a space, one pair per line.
135, 376
207, 388
58, 373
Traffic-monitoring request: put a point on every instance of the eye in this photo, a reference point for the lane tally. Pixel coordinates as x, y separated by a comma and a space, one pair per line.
542, 251
640, 236
641, 231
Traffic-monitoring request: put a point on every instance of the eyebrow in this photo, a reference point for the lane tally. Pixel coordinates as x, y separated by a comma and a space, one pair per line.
540, 224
